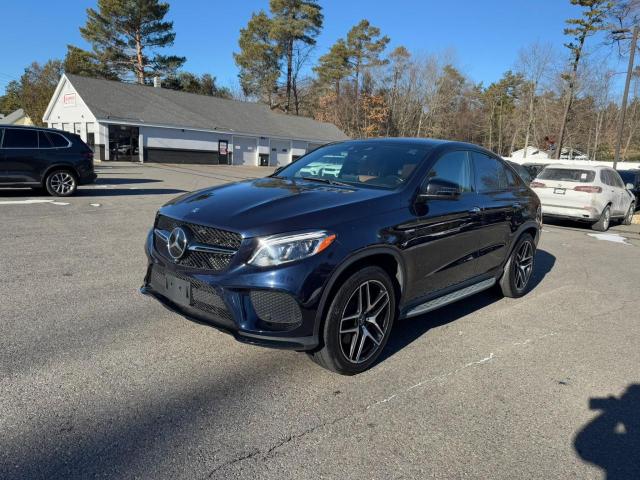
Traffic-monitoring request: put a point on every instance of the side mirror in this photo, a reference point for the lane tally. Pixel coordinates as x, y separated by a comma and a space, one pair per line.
438, 189
629, 186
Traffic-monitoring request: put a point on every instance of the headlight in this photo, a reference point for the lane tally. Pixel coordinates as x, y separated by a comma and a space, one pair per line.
279, 249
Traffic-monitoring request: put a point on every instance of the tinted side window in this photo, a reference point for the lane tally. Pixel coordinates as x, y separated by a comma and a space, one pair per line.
58, 140
1, 134
604, 177
43, 140
491, 175
20, 138
617, 181
453, 167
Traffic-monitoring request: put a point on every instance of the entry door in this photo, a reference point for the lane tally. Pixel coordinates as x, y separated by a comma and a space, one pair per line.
245, 151
441, 238
280, 150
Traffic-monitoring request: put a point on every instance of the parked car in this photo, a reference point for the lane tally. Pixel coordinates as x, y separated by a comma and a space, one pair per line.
590, 194
327, 265
44, 158
534, 169
632, 178
522, 171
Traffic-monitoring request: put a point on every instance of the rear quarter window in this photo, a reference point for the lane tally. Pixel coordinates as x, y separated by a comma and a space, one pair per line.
568, 175
58, 140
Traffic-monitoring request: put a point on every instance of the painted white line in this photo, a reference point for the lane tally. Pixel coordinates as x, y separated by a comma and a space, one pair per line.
610, 237
31, 202
94, 204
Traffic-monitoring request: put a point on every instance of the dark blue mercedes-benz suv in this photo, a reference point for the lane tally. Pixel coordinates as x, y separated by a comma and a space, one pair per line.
325, 254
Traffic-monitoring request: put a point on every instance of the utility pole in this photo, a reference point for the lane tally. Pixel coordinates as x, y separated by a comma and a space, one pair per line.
623, 111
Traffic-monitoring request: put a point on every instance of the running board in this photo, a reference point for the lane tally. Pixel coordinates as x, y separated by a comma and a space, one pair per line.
451, 297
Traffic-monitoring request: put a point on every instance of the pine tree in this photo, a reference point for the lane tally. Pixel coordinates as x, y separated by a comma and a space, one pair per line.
294, 22
258, 59
80, 62
365, 45
591, 21
126, 34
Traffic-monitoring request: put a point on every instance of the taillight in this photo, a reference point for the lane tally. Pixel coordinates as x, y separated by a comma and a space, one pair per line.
588, 189
537, 185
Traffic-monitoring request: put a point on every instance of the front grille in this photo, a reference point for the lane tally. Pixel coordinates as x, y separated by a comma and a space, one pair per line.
276, 307
209, 236
203, 296
202, 234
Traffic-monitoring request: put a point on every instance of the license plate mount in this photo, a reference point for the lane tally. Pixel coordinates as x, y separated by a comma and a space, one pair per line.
178, 290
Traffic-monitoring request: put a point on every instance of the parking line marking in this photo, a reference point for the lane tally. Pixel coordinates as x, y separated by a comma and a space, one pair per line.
31, 202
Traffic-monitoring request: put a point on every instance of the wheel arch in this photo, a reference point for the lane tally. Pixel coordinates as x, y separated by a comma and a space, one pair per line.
58, 166
388, 258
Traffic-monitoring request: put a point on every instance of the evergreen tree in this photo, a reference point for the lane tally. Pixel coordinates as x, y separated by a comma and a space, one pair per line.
365, 45
591, 21
10, 101
258, 59
126, 34
80, 62
294, 22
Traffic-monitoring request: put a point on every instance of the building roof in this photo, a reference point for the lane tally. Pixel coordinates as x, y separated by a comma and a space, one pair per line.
132, 103
12, 117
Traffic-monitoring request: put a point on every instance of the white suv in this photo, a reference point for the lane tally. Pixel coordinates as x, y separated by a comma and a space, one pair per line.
581, 192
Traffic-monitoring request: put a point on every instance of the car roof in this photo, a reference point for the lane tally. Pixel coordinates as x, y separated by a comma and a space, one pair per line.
579, 166
34, 127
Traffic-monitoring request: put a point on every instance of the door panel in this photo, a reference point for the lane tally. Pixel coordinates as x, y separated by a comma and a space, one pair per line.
21, 157
496, 187
441, 245
245, 151
440, 239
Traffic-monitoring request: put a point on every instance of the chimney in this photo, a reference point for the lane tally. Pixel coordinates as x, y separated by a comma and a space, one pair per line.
157, 83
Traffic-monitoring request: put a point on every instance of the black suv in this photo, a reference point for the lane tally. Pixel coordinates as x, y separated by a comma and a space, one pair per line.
44, 158
325, 254
632, 177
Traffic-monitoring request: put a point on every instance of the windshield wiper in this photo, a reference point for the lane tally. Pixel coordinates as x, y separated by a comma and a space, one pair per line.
326, 180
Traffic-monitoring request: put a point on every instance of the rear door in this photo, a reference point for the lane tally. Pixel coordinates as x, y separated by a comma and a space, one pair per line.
499, 204
3, 166
622, 192
611, 191
21, 155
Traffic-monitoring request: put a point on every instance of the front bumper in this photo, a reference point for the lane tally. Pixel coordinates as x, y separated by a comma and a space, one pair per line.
228, 300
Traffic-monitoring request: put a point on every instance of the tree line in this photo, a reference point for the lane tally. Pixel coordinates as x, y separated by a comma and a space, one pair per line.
552, 99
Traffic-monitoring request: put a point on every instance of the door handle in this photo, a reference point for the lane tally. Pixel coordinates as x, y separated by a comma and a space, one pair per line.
475, 211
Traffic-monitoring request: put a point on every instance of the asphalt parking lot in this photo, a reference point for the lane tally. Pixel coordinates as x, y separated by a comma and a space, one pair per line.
99, 381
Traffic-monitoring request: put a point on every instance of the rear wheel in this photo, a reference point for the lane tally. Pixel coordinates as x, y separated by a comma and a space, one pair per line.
628, 218
516, 278
358, 322
602, 225
61, 183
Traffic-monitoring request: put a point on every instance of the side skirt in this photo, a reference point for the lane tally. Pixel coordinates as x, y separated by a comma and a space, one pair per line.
450, 297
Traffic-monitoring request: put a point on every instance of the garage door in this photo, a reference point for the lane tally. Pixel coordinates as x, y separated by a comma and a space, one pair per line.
245, 151
280, 151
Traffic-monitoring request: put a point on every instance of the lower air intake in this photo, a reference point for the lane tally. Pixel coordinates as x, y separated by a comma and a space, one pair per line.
276, 307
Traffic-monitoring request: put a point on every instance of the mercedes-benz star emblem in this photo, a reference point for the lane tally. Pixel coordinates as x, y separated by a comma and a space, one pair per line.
177, 243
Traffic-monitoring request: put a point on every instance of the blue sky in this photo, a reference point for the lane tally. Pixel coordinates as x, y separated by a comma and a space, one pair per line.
485, 35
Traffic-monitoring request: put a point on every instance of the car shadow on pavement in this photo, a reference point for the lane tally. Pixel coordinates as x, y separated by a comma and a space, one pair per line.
407, 331
124, 181
612, 439
113, 192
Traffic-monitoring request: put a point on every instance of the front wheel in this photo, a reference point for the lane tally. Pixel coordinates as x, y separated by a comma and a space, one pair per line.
61, 183
515, 281
358, 322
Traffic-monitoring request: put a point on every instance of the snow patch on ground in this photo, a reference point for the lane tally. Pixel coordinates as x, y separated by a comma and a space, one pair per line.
610, 237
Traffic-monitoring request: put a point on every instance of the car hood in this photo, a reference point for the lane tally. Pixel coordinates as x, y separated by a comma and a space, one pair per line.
274, 205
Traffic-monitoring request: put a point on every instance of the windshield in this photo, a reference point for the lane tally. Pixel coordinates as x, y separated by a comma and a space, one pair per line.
367, 164
567, 175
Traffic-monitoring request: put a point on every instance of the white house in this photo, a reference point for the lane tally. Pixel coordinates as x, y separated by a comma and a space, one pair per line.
123, 121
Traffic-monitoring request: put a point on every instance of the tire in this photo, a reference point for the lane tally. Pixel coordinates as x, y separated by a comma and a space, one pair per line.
602, 225
516, 278
352, 342
61, 183
628, 218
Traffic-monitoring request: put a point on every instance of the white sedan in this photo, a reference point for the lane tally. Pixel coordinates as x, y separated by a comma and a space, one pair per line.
580, 192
